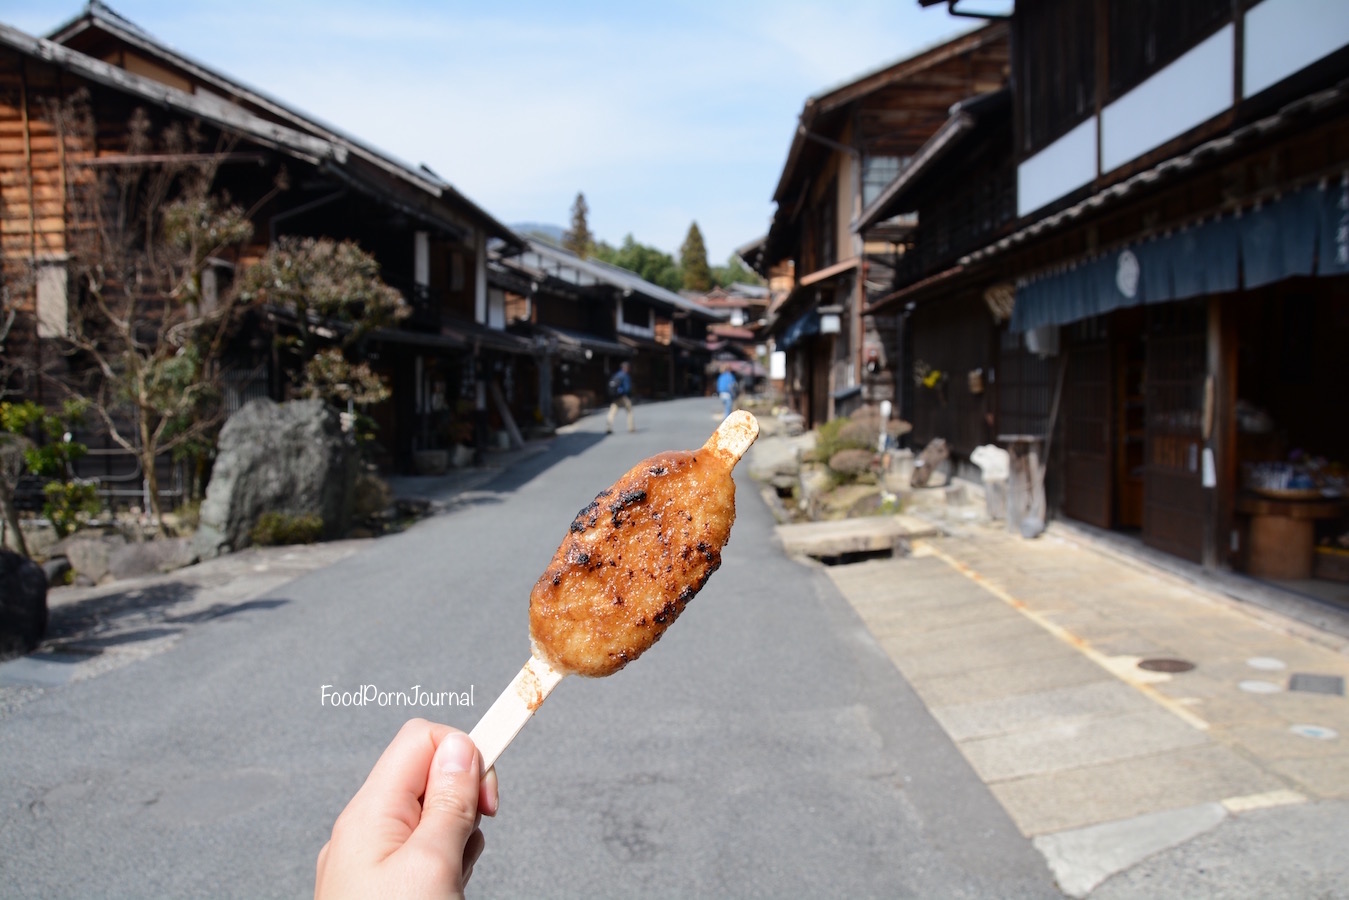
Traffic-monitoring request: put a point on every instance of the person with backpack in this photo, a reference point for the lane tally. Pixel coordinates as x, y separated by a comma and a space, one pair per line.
620, 391
727, 388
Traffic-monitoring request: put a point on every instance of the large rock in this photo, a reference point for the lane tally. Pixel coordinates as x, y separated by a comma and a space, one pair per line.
930, 469
149, 557
290, 458
90, 552
23, 604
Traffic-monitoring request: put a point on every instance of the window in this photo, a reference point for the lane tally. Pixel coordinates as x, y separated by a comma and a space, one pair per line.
877, 172
826, 229
53, 318
635, 317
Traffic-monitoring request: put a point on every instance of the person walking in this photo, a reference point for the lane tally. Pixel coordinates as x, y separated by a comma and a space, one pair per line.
620, 391
727, 387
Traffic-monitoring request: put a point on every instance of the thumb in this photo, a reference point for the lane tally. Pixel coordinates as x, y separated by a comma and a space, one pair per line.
450, 810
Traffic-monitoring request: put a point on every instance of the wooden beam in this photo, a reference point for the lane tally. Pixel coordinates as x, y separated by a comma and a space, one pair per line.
517, 441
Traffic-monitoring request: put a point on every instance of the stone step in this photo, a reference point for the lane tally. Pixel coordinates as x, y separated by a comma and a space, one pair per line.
865, 535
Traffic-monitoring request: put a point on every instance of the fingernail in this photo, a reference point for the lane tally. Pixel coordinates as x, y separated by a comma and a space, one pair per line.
456, 754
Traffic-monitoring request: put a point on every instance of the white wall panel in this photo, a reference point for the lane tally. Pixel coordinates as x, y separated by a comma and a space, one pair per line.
1062, 167
1284, 36
1187, 93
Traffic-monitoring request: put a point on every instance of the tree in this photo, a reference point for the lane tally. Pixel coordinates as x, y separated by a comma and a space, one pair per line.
693, 262
145, 337
735, 272
652, 264
333, 295
578, 239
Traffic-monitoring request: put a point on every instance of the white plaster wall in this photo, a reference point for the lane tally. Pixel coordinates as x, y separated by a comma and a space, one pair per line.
1187, 93
421, 258
496, 308
53, 319
1062, 167
1284, 36
480, 277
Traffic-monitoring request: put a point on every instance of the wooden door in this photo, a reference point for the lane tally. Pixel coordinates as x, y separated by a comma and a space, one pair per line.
1086, 410
1130, 430
1173, 499
821, 351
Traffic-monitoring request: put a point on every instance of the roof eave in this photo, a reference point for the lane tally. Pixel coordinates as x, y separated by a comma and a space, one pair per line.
434, 186
308, 147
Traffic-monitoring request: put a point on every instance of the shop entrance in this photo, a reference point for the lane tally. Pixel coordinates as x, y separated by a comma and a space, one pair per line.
1173, 404
1133, 396
1292, 435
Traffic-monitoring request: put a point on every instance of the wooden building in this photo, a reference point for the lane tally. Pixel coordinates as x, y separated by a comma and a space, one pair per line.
848, 144
586, 317
734, 343
450, 370
1160, 279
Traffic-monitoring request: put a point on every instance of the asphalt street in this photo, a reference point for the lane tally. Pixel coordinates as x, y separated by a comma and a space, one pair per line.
766, 747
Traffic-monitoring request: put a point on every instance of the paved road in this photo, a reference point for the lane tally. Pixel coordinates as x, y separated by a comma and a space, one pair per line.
766, 747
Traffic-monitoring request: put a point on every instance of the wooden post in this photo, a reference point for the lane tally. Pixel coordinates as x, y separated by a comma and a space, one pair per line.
1220, 440
499, 398
545, 364
1225, 434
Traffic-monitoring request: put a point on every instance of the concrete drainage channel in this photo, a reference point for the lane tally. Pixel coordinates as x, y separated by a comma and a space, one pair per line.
847, 541
858, 556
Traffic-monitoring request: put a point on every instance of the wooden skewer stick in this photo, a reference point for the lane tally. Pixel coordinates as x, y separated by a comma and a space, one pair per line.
516, 705
531, 686
734, 435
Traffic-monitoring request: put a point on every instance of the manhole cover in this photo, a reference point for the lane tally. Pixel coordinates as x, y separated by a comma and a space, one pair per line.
1166, 665
1266, 663
1316, 732
1259, 687
1317, 684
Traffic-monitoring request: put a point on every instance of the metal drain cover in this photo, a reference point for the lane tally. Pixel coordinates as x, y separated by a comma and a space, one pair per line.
1315, 732
1166, 665
1317, 684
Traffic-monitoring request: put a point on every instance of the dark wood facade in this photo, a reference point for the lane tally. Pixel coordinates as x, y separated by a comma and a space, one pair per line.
848, 144
1167, 275
429, 241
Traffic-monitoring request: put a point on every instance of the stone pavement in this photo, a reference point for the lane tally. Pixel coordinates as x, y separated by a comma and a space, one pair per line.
1028, 652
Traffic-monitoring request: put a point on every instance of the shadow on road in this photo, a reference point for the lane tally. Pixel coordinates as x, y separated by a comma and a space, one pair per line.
136, 614
563, 446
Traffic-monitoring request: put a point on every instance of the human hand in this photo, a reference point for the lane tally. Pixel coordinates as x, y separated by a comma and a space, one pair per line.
412, 828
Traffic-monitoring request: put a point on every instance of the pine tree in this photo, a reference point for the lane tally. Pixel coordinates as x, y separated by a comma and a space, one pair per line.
578, 238
693, 261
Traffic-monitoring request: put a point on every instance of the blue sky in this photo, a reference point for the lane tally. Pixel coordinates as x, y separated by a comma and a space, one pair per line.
661, 113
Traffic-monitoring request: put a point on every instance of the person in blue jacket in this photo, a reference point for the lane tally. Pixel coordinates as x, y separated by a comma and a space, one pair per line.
727, 387
620, 391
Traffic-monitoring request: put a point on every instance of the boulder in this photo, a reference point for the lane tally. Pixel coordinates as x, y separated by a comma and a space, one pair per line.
288, 458
461, 456
792, 423
23, 604
929, 468
769, 458
90, 552
373, 496
430, 462
149, 557
57, 569
851, 462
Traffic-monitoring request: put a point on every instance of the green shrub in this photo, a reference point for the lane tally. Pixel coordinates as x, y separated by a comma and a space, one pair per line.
70, 504
274, 528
